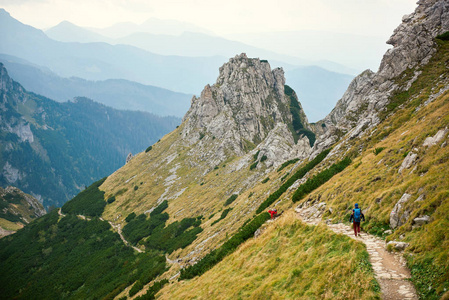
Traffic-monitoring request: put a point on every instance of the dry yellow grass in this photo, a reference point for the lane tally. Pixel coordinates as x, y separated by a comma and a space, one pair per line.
290, 260
8, 225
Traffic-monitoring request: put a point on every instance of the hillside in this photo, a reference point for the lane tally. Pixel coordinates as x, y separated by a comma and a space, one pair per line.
72, 143
193, 205
17, 210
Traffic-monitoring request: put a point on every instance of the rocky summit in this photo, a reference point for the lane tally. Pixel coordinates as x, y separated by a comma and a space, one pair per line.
245, 107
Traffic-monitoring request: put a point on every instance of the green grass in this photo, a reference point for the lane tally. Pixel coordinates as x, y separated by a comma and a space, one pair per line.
289, 260
89, 202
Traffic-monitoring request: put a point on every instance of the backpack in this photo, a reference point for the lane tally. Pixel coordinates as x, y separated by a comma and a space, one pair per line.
357, 214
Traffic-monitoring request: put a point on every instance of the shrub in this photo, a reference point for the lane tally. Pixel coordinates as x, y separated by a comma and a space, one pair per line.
266, 180
175, 235
319, 179
264, 158
89, 202
287, 163
136, 288
297, 126
298, 175
253, 166
255, 156
148, 149
228, 247
378, 150
444, 36
224, 213
231, 199
111, 200
130, 217
136, 187
153, 290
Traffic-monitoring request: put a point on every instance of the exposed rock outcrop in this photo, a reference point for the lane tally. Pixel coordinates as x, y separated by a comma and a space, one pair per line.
399, 215
368, 94
249, 106
408, 161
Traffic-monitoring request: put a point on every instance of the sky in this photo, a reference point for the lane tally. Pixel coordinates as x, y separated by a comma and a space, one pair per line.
364, 17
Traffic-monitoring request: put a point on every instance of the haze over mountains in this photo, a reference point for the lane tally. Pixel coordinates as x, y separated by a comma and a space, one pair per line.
116, 93
88, 55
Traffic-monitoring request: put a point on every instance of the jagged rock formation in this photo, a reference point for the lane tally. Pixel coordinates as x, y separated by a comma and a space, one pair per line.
369, 93
247, 105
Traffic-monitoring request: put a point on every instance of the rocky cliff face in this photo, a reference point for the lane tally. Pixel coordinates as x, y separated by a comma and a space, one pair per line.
246, 105
369, 93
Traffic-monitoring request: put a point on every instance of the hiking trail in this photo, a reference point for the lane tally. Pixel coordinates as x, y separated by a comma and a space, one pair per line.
390, 269
118, 227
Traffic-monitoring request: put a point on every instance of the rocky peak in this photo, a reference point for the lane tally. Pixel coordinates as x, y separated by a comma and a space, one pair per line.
413, 41
369, 93
239, 111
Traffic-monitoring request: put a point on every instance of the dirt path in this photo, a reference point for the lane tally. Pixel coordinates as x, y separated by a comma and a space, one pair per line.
389, 268
119, 231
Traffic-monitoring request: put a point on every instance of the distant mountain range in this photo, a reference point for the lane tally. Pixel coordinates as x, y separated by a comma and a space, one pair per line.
92, 58
116, 93
101, 61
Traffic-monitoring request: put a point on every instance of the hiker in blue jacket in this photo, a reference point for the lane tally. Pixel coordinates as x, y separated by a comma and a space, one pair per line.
356, 217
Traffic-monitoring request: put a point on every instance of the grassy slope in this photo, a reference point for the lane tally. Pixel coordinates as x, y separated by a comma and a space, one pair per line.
371, 180
281, 263
374, 181
203, 195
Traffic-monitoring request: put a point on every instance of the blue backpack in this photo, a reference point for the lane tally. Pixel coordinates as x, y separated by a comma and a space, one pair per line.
357, 214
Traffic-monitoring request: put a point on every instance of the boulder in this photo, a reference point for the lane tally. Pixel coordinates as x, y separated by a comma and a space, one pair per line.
129, 157
421, 220
398, 216
408, 161
398, 245
433, 140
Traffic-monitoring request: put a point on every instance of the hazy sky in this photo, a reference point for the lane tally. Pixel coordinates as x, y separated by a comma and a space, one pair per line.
372, 17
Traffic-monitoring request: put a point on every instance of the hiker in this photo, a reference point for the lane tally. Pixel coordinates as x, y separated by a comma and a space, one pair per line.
356, 217
273, 213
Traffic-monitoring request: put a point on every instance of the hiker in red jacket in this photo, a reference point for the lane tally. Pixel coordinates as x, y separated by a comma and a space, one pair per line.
273, 213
